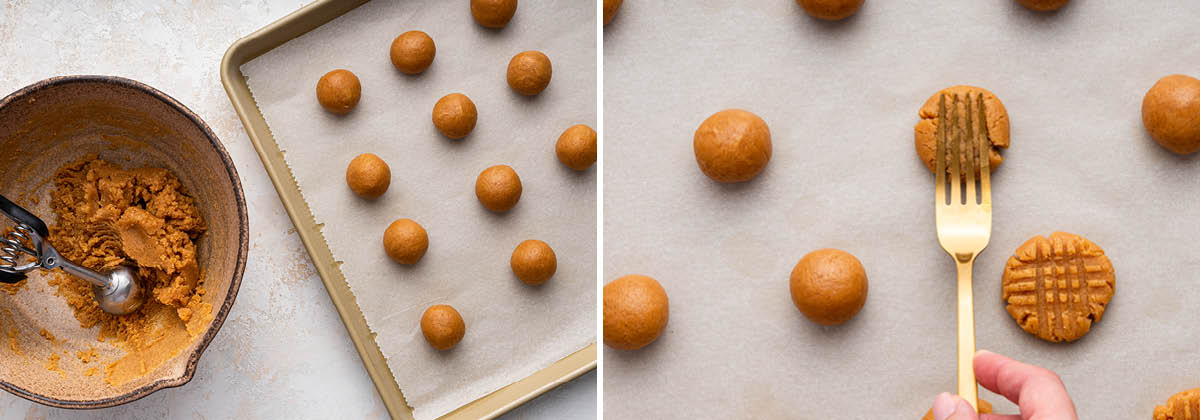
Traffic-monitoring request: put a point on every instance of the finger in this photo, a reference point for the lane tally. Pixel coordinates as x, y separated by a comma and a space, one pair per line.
1038, 392
951, 407
999, 417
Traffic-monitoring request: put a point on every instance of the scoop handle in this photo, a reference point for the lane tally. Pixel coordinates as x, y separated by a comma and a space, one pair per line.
23, 216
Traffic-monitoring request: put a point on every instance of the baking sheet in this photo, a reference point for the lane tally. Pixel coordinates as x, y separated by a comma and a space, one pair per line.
841, 100
513, 330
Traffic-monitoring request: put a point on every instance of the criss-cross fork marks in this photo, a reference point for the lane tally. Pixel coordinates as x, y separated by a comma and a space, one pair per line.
1182, 406
1059, 288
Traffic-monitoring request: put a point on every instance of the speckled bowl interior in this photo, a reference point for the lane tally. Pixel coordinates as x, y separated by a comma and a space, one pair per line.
55, 121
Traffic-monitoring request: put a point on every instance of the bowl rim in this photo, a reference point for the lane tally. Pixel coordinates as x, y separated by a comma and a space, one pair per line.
239, 268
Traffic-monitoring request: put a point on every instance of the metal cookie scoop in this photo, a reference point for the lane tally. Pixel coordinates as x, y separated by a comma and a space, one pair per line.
118, 293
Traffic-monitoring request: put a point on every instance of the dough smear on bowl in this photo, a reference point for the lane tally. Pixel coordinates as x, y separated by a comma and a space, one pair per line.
108, 216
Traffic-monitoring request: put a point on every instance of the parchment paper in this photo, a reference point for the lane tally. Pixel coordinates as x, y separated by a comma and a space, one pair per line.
512, 329
841, 100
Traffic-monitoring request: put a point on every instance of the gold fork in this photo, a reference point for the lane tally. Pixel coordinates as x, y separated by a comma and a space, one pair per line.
964, 224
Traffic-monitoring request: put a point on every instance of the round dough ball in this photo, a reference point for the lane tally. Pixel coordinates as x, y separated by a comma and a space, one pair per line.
829, 286
1043, 5
529, 72
732, 146
442, 326
368, 176
635, 312
925, 132
405, 241
610, 10
830, 9
338, 91
455, 115
498, 188
533, 262
576, 147
1171, 113
493, 14
412, 52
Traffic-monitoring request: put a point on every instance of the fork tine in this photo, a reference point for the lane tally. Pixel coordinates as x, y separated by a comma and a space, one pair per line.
956, 154
939, 151
971, 145
985, 152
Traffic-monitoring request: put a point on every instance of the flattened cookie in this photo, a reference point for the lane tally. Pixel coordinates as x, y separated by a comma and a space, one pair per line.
1057, 287
925, 132
984, 408
1182, 406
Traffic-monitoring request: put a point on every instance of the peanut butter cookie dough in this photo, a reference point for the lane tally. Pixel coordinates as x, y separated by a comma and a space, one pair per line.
635, 312
610, 10
1057, 287
455, 115
733, 145
924, 134
533, 262
108, 216
1182, 406
830, 9
1171, 113
493, 14
338, 91
405, 241
529, 72
498, 188
442, 327
1044, 5
576, 147
412, 52
368, 176
829, 286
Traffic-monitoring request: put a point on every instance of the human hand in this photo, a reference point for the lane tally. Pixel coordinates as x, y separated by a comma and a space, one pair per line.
1038, 392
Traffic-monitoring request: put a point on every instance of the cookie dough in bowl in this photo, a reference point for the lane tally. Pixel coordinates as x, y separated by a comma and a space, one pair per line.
123, 174
925, 132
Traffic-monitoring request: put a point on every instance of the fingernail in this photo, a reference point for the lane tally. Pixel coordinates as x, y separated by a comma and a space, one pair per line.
944, 406
980, 352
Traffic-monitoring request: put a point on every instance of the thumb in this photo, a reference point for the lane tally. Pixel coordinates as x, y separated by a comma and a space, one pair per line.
951, 407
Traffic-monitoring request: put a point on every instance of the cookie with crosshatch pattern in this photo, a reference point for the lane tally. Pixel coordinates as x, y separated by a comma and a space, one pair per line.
1057, 287
1182, 406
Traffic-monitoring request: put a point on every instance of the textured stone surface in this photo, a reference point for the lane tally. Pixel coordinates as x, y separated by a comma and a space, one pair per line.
283, 352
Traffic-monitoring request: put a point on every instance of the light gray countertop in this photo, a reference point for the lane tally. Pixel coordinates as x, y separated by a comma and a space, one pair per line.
283, 352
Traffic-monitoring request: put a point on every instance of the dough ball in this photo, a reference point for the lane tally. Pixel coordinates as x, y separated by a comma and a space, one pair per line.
493, 14
984, 408
454, 115
368, 176
610, 10
1043, 5
412, 52
732, 146
498, 188
576, 147
830, 9
829, 286
635, 312
405, 241
533, 262
338, 91
925, 132
529, 72
442, 326
1171, 113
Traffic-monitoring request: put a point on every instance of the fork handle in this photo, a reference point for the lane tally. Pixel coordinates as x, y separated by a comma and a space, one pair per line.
967, 387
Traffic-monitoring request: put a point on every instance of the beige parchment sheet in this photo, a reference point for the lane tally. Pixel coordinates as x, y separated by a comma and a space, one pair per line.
513, 330
841, 100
